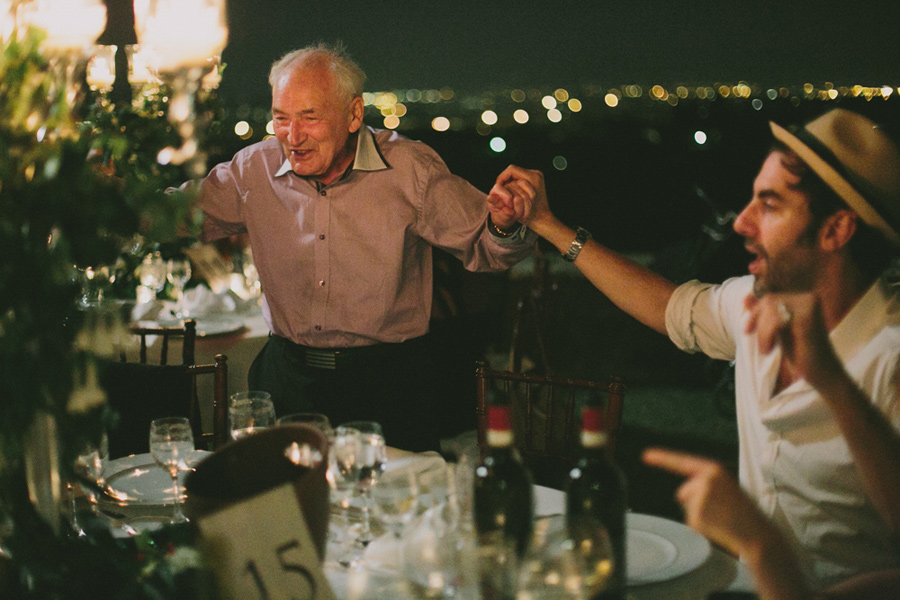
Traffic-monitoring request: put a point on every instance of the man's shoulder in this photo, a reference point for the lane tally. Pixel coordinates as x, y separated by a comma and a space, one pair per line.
399, 147
267, 151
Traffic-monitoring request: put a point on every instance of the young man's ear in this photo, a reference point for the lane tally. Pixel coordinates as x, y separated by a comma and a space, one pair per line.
837, 230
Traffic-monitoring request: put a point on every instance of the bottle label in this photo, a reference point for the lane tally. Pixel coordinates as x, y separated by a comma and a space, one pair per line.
499, 438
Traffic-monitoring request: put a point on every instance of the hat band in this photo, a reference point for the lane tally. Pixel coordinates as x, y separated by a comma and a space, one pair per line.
862, 187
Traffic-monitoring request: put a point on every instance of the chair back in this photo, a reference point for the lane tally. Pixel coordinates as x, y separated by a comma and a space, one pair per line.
544, 415
188, 333
139, 392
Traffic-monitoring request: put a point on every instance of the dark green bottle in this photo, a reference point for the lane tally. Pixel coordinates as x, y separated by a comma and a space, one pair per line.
596, 499
502, 500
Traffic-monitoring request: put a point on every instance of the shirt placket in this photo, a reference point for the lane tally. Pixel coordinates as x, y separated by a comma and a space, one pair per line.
322, 258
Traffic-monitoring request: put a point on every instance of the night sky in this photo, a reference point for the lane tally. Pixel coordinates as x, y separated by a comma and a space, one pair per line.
472, 45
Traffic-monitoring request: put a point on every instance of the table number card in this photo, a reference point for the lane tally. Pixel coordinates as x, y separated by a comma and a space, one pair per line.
261, 548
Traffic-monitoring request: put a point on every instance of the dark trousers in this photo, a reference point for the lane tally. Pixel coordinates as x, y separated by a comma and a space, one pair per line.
392, 384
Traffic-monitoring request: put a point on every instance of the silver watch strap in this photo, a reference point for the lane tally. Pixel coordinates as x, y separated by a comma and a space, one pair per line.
581, 237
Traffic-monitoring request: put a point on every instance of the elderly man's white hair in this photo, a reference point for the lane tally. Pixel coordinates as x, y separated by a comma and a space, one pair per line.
349, 77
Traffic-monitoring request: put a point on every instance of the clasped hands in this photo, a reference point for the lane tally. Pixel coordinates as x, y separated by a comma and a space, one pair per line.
518, 196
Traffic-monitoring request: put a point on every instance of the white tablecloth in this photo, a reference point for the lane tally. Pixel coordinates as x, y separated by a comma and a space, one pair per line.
719, 572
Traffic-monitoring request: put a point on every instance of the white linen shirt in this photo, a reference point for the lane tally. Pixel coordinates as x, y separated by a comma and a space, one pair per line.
793, 458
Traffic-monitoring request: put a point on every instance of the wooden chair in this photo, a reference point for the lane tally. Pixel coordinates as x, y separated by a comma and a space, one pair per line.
544, 415
140, 392
188, 333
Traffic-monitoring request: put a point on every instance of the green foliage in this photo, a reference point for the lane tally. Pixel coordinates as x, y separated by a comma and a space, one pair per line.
75, 190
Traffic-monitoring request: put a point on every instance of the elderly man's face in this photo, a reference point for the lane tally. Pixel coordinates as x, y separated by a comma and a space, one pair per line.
314, 123
776, 226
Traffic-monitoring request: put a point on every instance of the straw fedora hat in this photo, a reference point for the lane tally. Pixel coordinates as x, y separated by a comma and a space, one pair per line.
859, 161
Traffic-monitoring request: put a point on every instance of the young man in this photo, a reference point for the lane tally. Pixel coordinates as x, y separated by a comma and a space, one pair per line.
814, 332
342, 220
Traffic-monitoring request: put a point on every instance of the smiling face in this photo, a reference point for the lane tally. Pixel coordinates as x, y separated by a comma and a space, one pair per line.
314, 122
778, 228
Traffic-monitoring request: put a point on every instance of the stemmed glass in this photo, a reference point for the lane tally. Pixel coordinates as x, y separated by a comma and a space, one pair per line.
249, 412
88, 468
178, 272
395, 499
372, 458
172, 445
152, 274
343, 476
306, 454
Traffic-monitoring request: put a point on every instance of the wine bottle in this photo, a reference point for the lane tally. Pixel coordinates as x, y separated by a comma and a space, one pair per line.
596, 502
502, 498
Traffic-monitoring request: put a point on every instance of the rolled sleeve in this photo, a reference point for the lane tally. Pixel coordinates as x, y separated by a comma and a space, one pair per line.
702, 317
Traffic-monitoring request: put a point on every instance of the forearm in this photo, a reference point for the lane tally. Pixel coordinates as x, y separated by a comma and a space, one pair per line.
873, 443
774, 567
632, 287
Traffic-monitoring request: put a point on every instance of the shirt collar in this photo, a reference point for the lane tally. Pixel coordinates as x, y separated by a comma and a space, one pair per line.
368, 157
875, 309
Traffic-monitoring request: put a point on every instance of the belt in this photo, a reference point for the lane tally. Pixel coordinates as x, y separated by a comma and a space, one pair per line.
333, 358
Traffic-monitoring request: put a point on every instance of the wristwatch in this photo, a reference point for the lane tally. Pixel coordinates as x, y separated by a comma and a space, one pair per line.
581, 237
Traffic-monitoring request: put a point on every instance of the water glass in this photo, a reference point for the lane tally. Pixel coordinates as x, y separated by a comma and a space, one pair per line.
343, 477
314, 420
172, 446
178, 273
372, 459
249, 412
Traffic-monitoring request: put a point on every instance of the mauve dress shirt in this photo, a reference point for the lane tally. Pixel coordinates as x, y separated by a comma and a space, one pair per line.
349, 264
793, 458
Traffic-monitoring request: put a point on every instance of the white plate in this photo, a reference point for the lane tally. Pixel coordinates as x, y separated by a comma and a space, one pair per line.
136, 480
660, 549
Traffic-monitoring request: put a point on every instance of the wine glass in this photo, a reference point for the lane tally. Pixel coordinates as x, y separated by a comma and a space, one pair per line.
343, 476
372, 459
569, 565
178, 272
249, 412
152, 275
89, 469
172, 445
314, 420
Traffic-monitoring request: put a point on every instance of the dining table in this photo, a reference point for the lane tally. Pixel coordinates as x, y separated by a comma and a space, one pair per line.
672, 563
666, 559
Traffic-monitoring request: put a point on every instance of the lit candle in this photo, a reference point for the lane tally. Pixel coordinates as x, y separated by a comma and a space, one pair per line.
70, 24
184, 33
101, 74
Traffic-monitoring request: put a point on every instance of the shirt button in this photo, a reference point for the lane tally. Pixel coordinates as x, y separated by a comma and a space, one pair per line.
322, 236
323, 193
318, 328
321, 283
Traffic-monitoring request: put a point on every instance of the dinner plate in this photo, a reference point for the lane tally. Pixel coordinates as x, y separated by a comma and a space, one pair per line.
136, 480
661, 549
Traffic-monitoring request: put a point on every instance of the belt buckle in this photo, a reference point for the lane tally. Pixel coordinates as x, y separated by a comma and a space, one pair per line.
321, 359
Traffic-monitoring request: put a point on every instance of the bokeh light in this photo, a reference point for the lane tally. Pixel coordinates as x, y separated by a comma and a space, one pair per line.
548, 102
391, 122
440, 124
498, 144
554, 116
520, 116
489, 117
700, 137
560, 163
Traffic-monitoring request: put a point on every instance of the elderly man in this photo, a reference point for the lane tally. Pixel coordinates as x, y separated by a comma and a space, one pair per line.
342, 219
814, 331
